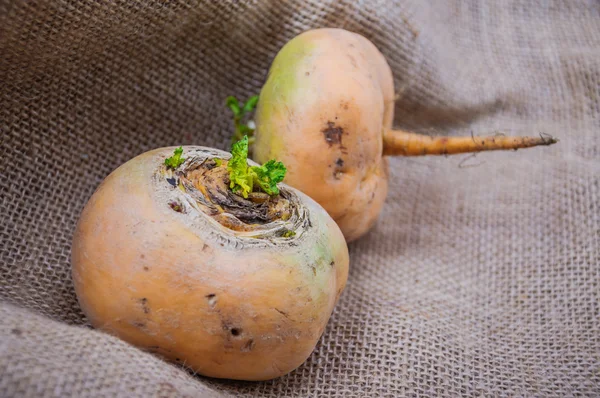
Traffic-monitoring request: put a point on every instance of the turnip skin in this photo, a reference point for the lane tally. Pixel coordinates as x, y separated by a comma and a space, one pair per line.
195, 292
328, 97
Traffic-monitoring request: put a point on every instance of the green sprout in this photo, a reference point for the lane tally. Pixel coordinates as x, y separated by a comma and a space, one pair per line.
244, 179
176, 160
240, 111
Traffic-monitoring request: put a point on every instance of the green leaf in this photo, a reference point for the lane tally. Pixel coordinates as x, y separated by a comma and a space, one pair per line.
176, 160
233, 104
245, 130
243, 178
269, 175
240, 180
240, 112
250, 104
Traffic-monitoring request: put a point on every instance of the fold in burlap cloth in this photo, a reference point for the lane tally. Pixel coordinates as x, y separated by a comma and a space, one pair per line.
482, 276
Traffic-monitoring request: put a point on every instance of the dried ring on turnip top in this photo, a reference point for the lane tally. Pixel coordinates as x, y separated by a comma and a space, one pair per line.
168, 257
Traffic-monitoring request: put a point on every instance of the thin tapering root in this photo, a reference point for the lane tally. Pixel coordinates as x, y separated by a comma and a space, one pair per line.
402, 143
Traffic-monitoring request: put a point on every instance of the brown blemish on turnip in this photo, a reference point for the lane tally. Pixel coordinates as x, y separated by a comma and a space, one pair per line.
146, 268
248, 346
333, 134
176, 206
144, 303
235, 331
352, 61
285, 314
339, 162
212, 300
372, 197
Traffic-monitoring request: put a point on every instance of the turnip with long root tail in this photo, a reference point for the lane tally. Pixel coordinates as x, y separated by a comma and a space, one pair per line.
326, 111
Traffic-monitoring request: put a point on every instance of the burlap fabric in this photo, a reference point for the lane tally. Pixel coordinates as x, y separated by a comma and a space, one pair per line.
482, 276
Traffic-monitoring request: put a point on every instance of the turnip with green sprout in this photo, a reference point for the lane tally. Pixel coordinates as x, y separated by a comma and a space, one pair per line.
207, 260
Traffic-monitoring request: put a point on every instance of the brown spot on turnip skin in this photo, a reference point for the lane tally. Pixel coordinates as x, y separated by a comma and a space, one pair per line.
338, 171
176, 206
146, 268
248, 346
17, 332
372, 197
212, 300
333, 134
144, 303
285, 314
352, 61
236, 331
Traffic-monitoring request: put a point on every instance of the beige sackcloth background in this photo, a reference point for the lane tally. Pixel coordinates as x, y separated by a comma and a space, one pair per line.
482, 276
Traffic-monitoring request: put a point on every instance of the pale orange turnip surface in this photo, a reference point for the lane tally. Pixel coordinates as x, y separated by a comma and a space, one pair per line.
326, 111
174, 262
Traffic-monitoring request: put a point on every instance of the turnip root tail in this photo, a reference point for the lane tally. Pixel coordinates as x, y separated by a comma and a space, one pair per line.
402, 143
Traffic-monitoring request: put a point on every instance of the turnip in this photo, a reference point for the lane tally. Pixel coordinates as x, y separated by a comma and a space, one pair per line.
326, 111
192, 254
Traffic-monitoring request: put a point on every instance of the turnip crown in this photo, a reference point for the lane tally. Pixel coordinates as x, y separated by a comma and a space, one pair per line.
241, 197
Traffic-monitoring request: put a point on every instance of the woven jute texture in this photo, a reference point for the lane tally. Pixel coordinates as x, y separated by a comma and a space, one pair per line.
482, 276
